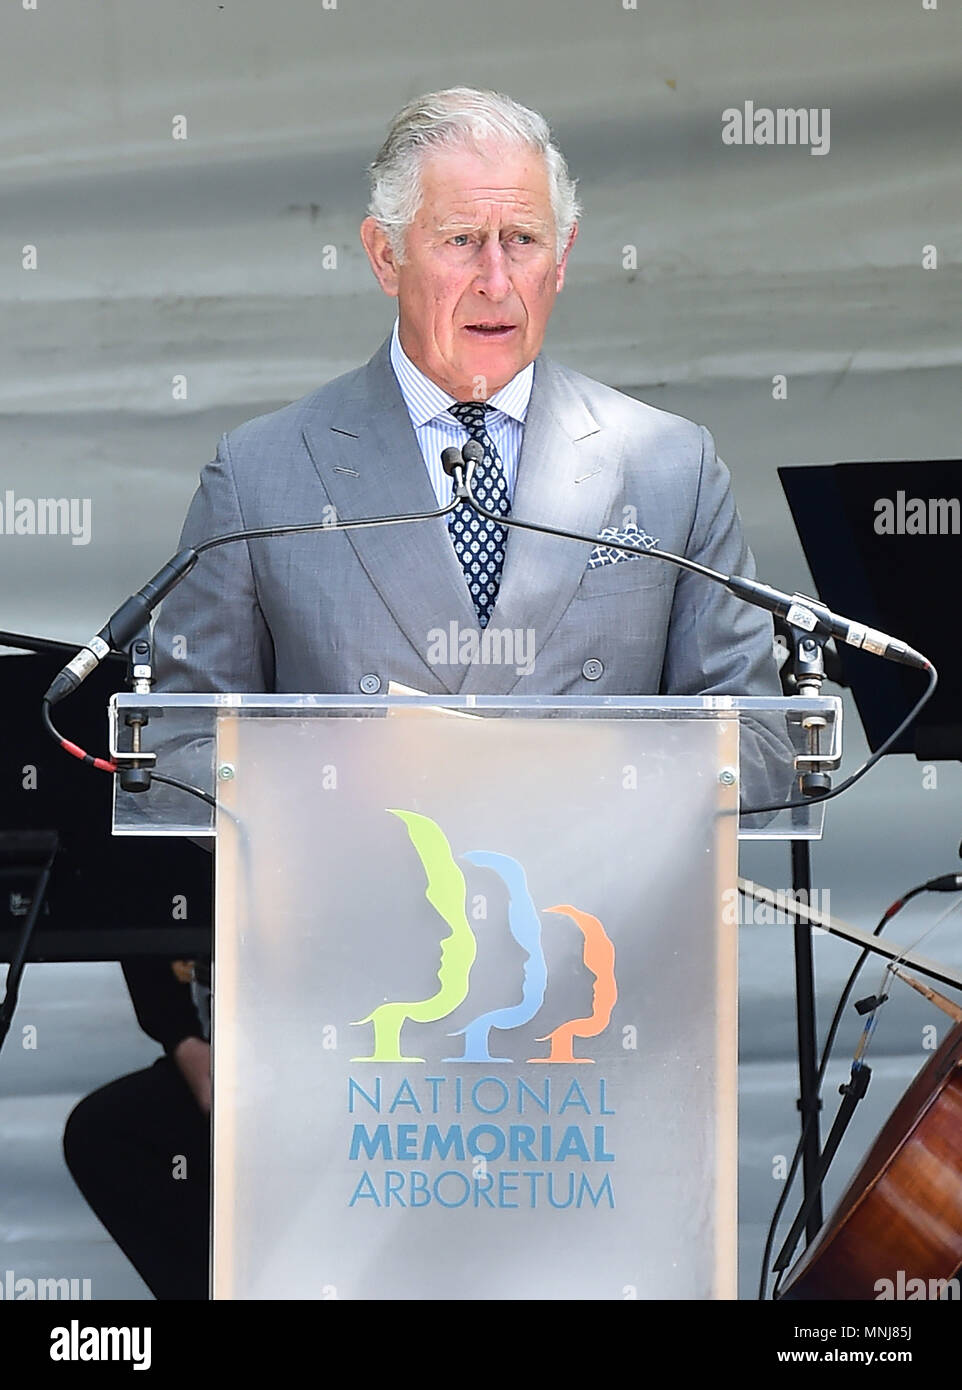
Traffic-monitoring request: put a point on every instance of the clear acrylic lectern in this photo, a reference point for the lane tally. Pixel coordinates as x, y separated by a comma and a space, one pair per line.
474, 982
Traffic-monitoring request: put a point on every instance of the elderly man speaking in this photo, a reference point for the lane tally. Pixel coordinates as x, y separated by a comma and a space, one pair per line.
472, 219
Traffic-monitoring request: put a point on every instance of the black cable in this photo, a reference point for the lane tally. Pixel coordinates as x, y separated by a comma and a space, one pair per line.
724, 580
682, 561
18, 961
264, 532
869, 762
23, 642
104, 766
780, 1206
891, 911
136, 610
101, 764
833, 1027
184, 787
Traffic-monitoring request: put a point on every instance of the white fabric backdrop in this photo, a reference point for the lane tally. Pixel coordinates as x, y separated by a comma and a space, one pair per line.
204, 257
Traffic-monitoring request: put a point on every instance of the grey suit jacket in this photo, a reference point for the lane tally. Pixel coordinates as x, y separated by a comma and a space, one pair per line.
345, 612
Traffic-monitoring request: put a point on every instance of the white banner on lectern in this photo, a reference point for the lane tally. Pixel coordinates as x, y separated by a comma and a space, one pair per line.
475, 1009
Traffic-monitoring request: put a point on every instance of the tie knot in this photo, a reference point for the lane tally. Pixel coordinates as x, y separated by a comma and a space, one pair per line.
471, 415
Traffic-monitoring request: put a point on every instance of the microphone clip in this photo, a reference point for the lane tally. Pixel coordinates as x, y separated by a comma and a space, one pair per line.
462, 481
134, 765
805, 670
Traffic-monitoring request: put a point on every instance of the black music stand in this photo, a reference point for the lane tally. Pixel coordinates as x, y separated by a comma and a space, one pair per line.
107, 898
891, 566
904, 583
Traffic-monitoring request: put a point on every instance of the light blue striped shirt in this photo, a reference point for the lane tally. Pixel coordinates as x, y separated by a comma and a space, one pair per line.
428, 405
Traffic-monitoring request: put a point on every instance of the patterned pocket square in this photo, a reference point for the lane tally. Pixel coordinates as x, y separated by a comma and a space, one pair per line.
628, 535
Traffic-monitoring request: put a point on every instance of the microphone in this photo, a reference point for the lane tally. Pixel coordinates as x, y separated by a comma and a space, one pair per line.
122, 626
945, 883
810, 614
134, 613
460, 464
798, 609
805, 613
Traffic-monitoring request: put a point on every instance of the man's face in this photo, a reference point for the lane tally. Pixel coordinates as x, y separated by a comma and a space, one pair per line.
480, 272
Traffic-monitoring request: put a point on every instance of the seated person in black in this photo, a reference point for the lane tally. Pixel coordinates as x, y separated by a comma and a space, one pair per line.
139, 1147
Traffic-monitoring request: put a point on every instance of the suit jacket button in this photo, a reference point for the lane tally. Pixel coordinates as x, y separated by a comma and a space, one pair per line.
592, 669
370, 685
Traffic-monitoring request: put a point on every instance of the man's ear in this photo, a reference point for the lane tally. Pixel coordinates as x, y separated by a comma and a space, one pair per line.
379, 253
563, 263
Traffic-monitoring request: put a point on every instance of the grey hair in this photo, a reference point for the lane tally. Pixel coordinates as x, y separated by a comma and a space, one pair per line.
445, 120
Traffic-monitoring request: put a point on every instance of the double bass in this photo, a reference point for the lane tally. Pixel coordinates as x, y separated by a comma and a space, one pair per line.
897, 1230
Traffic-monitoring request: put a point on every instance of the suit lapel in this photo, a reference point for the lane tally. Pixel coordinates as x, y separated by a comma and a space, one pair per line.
566, 480
370, 463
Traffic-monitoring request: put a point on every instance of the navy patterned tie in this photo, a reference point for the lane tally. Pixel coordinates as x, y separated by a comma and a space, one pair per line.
478, 543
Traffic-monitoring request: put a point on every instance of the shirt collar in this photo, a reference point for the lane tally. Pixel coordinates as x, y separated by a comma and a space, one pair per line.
425, 399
